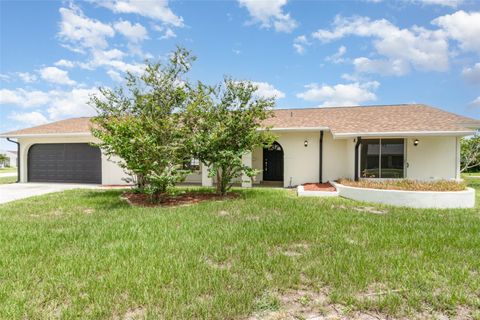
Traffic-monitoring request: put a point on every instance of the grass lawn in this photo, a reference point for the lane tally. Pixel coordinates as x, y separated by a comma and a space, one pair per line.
87, 254
4, 180
8, 169
471, 174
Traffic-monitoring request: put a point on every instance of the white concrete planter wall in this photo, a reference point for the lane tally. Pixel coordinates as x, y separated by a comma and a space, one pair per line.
413, 199
303, 193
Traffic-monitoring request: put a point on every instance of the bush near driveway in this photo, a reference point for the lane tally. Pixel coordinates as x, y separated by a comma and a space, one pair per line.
87, 254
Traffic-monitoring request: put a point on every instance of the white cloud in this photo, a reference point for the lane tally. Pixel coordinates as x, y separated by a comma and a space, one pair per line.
476, 102
82, 32
445, 3
396, 67
472, 74
158, 10
60, 103
4, 77
169, 33
133, 32
350, 77
23, 98
73, 103
417, 47
338, 56
55, 75
270, 14
341, 94
27, 77
64, 63
33, 118
266, 90
299, 44
112, 59
115, 76
463, 27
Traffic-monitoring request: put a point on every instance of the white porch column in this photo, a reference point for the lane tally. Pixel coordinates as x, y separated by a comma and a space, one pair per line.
246, 180
206, 180
457, 159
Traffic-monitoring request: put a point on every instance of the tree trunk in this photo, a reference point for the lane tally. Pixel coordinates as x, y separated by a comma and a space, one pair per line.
219, 182
140, 181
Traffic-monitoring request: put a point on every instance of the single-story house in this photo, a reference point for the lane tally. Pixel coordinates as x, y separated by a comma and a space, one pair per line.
411, 141
11, 159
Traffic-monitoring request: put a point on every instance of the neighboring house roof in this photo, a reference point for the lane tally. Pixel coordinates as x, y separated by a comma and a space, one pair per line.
70, 126
391, 120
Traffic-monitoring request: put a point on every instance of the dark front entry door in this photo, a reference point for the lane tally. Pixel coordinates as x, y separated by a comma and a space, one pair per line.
64, 162
273, 163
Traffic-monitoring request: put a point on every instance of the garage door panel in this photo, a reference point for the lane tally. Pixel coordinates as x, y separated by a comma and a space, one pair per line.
73, 162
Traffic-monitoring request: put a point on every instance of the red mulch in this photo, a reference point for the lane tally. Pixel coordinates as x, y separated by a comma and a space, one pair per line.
319, 187
182, 199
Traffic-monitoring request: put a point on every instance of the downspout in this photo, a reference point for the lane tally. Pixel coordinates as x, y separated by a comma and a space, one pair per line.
359, 140
320, 165
18, 158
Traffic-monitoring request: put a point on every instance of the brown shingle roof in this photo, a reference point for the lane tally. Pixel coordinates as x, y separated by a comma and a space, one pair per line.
72, 126
340, 120
373, 119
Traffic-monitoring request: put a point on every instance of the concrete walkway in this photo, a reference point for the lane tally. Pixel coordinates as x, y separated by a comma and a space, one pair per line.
16, 191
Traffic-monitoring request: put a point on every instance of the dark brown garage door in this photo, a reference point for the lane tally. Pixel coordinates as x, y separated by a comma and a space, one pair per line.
64, 162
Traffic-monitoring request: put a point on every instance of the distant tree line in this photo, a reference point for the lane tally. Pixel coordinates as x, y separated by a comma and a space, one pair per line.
470, 154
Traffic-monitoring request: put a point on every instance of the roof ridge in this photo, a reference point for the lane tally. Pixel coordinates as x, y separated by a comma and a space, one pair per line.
364, 106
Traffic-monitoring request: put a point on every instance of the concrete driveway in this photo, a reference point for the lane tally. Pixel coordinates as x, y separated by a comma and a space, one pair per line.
16, 191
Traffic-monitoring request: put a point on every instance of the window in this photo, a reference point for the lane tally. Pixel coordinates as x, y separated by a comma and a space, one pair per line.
382, 158
192, 164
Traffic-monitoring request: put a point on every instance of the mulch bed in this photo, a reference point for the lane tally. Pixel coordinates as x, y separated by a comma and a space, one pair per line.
182, 199
319, 187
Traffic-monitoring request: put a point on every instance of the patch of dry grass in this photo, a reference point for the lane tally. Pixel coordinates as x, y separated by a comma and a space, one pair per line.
405, 184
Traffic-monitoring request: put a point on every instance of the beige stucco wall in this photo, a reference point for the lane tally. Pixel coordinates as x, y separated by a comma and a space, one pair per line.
335, 158
257, 163
194, 177
433, 158
112, 174
301, 164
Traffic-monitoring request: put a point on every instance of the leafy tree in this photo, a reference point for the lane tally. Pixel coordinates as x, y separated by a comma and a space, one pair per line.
3, 159
140, 123
470, 153
223, 124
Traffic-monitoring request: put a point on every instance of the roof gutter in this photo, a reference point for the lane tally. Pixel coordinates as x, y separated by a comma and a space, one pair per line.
403, 134
295, 129
320, 158
46, 135
18, 157
357, 145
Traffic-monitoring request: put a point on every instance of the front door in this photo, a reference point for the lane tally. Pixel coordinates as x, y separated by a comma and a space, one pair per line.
273, 163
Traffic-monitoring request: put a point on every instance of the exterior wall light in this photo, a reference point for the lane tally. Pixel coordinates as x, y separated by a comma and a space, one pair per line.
415, 142
305, 143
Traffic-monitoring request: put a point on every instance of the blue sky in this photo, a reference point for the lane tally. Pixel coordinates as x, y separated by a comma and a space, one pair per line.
54, 54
